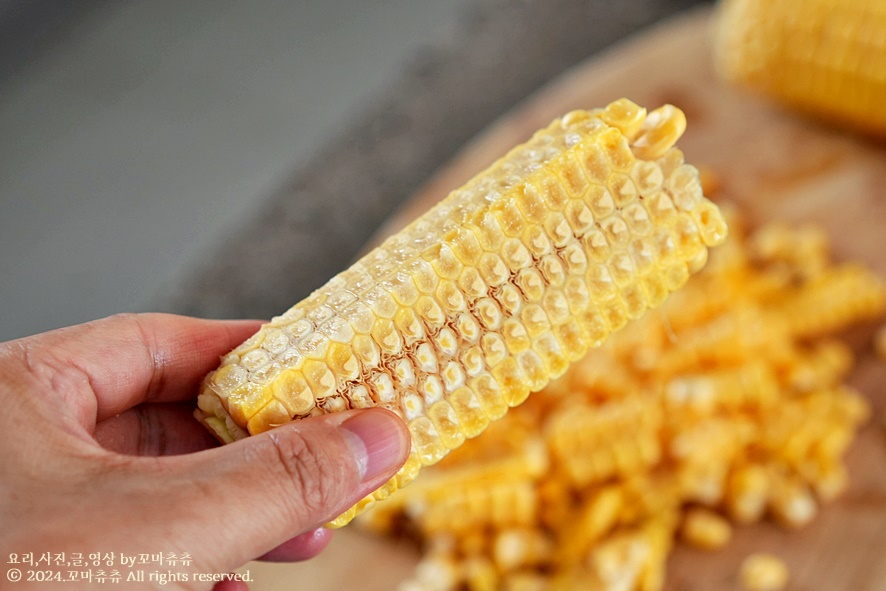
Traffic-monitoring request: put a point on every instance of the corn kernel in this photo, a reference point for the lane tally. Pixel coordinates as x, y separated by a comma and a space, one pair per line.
705, 529
763, 572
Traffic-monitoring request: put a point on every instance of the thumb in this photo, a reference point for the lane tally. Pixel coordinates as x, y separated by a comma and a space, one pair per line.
257, 493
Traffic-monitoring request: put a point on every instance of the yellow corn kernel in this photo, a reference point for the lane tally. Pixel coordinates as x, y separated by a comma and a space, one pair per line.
659, 533
747, 493
529, 462
435, 572
595, 443
824, 57
704, 481
398, 329
791, 502
499, 504
619, 561
599, 513
802, 250
705, 442
835, 298
828, 479
526, 581
515, 548
753, 384
479, 574
554, 500
763, 572
705, 529
730, 336
415, 585
649, 494
823, 365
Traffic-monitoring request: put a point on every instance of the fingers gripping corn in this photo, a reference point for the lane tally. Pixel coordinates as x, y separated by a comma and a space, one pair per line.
488, 295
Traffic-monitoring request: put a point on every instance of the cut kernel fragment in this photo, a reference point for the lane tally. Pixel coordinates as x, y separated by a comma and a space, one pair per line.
705, 529
717, 406
763, 572
493, 290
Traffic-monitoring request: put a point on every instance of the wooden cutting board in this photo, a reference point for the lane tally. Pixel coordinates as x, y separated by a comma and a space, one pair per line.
778, 167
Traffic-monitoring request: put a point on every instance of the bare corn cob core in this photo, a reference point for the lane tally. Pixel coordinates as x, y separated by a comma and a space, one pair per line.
489, 295
825, 57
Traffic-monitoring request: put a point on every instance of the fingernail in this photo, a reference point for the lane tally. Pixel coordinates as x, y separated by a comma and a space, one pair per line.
377, 440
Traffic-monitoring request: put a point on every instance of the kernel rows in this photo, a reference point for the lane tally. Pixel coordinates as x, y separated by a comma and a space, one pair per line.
831, 63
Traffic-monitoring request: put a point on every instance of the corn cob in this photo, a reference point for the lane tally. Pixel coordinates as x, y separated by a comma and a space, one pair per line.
824, 57
748, 489
488, 295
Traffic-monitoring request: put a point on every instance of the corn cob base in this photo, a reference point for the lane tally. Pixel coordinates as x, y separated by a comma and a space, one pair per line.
489, 295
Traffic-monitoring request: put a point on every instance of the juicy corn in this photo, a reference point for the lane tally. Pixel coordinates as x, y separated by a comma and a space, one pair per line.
705, 529
714, 407
748, 493
825, 57
487, 296
763, 572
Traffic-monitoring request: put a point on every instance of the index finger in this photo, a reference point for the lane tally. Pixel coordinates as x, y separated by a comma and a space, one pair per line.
128, 359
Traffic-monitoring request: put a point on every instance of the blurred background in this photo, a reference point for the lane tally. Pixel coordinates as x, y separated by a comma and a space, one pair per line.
225, 157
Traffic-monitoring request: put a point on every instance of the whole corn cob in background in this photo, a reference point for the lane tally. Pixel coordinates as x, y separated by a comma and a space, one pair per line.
727, 405
823, 57
489, 295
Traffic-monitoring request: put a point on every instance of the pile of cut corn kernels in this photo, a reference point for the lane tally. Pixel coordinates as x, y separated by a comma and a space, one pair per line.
726, 406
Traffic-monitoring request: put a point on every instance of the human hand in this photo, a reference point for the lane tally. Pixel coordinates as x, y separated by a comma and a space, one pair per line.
100, 453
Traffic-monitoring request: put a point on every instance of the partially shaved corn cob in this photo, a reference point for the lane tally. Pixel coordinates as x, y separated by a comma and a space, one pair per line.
487, 296
642, 443
825, 57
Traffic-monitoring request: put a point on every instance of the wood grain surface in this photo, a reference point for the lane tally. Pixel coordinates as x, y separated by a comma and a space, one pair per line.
777, 166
